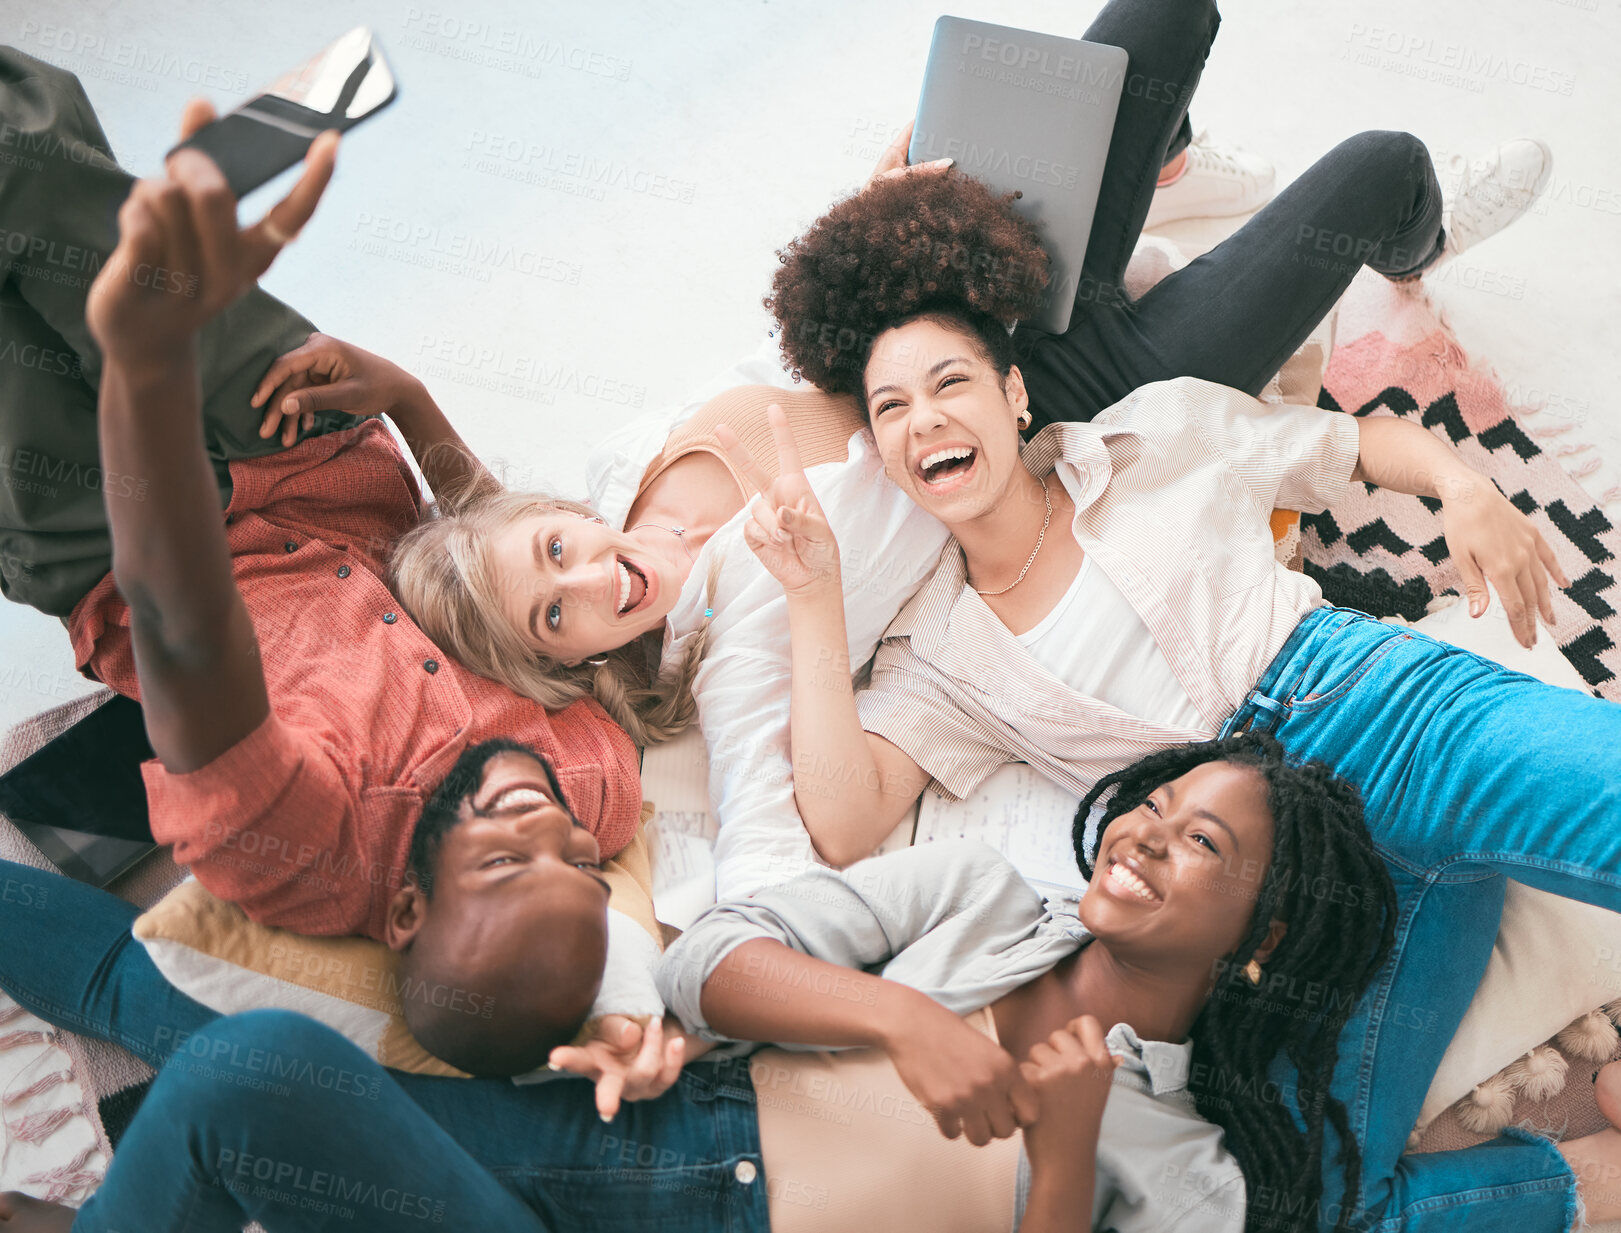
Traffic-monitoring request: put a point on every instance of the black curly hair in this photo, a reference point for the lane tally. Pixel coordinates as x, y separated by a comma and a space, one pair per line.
941, 245
1328, 884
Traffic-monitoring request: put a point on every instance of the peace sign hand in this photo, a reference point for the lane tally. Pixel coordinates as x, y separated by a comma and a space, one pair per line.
787, 530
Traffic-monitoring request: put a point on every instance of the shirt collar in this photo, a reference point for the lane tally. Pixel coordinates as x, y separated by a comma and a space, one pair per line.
1165, 1065
1083, 447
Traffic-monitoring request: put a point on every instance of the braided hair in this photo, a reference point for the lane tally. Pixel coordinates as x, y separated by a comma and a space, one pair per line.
1327, 883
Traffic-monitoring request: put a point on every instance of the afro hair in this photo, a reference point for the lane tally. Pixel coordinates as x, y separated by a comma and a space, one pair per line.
903, 247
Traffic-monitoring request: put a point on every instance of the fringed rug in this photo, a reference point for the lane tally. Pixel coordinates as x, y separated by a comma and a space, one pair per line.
64, 1099
1384, 552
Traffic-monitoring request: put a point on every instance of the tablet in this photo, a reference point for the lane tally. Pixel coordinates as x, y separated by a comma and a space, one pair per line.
1030, 114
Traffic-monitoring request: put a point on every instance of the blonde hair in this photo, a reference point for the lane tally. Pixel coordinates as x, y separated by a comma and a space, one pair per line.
442, 574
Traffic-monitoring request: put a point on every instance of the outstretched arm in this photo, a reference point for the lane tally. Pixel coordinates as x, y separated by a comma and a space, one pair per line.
852, 788
1487, 537
180, 260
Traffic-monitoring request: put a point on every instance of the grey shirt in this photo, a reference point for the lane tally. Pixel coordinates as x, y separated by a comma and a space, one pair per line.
956, 921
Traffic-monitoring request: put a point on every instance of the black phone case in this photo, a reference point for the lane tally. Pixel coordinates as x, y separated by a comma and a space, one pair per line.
267, 135
249, 151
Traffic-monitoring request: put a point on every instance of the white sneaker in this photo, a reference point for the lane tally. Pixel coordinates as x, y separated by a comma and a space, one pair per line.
1480, 196
1217, 182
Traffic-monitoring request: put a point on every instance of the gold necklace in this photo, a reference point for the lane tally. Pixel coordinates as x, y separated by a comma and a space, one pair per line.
1047, 495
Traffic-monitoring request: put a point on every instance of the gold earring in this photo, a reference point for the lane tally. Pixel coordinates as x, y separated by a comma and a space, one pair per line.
1025, 418
1252, 969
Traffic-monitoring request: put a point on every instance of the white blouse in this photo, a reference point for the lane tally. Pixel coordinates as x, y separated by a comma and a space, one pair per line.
887, 549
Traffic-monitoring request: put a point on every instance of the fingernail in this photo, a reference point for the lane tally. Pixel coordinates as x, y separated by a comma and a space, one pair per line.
289, 403
942, 162
607, 1118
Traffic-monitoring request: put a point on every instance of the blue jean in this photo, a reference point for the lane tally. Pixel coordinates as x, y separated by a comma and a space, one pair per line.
1469, 773
270, 1116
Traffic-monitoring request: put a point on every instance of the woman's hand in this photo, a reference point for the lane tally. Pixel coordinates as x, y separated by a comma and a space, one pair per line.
971, 1085
1491, 540
788, 530
1071, 1072
892, 162
328, 375
181, 258
627, 1063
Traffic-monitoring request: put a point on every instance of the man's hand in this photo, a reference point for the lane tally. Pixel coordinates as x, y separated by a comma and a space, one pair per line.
788, 530
627, 1063
968, 1082
892, 162
328, 375
1492, 540
181, 258
1071, 1072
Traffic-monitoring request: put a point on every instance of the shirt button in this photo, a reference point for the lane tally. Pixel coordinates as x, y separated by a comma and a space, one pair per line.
430, 666
389, 618
745, 1172
290, 546
343, 571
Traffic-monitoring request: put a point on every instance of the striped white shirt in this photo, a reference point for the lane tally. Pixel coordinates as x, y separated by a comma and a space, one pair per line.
1174, 487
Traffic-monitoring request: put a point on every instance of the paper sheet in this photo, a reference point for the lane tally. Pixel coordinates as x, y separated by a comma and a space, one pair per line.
1022, 815
1018, 812
681, 833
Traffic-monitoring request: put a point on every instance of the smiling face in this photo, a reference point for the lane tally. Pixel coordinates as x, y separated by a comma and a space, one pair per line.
516, 844
1178, 876
945, 420
571, 588
504, 952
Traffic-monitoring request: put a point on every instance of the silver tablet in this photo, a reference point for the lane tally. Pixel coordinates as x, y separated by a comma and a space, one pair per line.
1030, 114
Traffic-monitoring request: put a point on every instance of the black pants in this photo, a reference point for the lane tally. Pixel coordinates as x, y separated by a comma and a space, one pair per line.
59, 196
1238, 312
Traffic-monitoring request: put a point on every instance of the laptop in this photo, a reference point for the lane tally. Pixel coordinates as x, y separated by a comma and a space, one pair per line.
1031, 114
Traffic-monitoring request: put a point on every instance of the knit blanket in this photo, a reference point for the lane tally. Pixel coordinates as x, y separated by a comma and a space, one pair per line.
1384, 552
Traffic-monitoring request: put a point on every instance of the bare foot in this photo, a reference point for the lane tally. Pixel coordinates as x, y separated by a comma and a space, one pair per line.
1596, 1158
19, 1213
1607, 1091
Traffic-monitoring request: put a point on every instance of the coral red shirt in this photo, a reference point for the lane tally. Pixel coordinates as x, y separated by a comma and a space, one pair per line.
306, 822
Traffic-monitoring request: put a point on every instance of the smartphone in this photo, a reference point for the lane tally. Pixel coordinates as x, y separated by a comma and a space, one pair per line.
343, 85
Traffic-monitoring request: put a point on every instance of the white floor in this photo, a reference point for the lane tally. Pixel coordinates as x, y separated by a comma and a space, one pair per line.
593, 193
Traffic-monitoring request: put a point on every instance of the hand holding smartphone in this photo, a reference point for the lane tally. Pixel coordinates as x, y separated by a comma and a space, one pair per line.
347, 82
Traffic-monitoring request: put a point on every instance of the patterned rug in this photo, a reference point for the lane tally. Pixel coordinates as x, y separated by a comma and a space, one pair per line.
1384, 552
64, 1099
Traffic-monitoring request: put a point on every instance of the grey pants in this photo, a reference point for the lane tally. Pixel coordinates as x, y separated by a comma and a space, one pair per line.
59, 196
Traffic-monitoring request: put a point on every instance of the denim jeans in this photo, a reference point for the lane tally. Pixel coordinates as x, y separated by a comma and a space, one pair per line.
1237, 313
1469, 773
270, 1116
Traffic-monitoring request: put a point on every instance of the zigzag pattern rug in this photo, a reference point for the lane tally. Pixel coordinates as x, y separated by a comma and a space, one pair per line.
1384, 552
